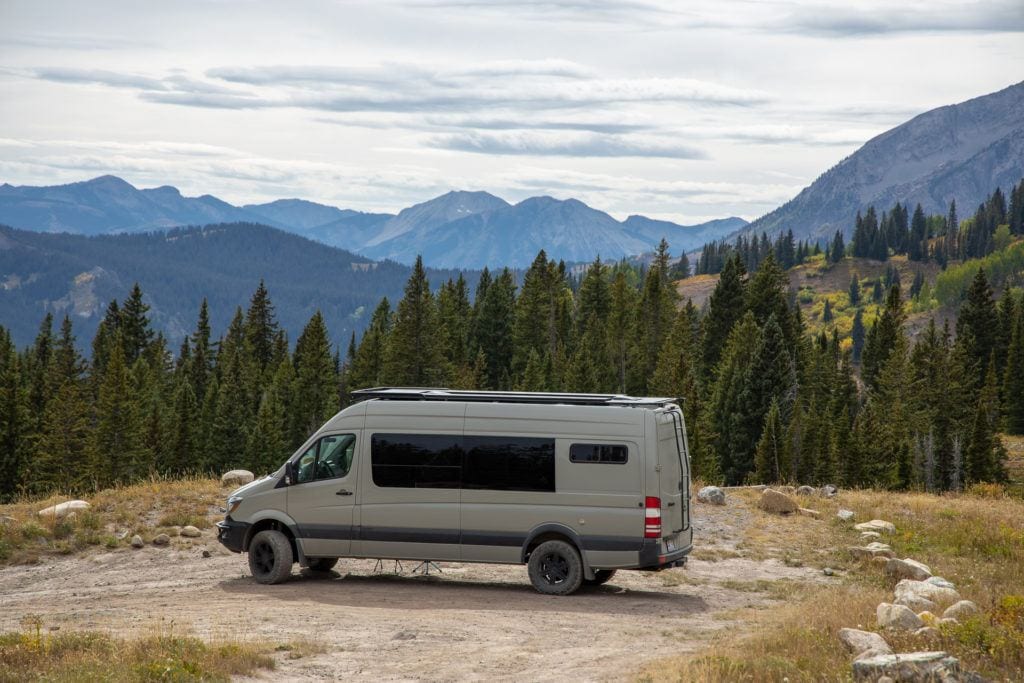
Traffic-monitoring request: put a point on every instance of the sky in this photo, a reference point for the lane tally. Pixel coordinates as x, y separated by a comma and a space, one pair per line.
679, 110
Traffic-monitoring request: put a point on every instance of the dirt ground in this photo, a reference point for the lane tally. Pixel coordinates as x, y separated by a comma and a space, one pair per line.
482, 622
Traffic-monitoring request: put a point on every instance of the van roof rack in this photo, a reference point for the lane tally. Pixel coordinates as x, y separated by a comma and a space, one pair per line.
536, 397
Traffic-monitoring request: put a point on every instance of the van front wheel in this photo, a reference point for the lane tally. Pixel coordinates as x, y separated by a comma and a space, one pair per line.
270, 557
555, 568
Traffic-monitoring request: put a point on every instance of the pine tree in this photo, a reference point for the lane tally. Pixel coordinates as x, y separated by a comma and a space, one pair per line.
620, 328
857, 335
367, 368
315, 397
184, 447
494, 329
13, 419
725, 308
656, 315
115, 444
136, 333
727, 426
455, 319
261, 328
770, 446
883, 337
1013, 377
984, 454
201, 365
267, 446
854, 290
413, 356
977, 325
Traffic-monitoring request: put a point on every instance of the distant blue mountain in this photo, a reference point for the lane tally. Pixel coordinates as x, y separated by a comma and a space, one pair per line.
458, 229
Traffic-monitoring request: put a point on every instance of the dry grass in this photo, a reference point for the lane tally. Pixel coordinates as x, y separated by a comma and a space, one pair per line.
35, 655
147, 508
975, 540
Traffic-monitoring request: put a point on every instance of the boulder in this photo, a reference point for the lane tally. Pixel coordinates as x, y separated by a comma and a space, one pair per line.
828, 491
872, 550
912, 667
916, 603
777, 502
191, 532
961, 610
161, 539
236, 478
712, 495
137, 541
879, 525
860, 641
62, 510
805, 490
845, 515
939, 581
928, 633
940, 595
897, 617
807, 512
907, 569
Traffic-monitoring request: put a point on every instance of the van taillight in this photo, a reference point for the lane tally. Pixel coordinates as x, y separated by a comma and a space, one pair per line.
652, 517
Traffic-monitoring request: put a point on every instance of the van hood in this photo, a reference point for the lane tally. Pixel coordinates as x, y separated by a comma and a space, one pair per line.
267, 482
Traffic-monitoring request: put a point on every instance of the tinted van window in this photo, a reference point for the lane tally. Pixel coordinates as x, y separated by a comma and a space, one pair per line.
416, 460
598, 452
505, 463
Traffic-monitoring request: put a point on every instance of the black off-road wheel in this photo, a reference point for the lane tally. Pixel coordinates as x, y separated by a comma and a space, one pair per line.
270, 557
555, 568
601, 576
322, 564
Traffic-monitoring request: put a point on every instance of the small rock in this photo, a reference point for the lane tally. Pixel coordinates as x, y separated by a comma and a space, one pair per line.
62, 510
928, 633
828, 491
161, 539
137, 541
807, 512
870, 535
961, 610
940, 595
805, 491
908, 569
879, 525
777, 502
712, 495
872, 550
897, 617
912, 667
916, 603
845, 515
860, 641
828, 571
236, 478
190, 532
404, 635
206, 554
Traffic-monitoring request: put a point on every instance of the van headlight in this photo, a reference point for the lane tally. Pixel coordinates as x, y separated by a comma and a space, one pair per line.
233, 503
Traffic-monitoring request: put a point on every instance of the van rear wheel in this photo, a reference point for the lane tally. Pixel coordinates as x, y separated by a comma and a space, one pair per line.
270, 557
555, 568
601, 576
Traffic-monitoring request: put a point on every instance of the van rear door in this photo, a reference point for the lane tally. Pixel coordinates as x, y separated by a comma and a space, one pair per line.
673, 477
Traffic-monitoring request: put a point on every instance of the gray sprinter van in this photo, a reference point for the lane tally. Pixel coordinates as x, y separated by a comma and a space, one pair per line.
575, 486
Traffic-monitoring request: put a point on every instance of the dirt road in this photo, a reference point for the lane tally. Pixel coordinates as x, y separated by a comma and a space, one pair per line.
470, 622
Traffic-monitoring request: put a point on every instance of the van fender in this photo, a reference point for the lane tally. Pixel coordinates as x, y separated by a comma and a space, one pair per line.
561, 530
281, 518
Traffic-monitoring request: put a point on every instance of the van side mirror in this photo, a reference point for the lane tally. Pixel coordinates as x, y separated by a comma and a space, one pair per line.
289, 473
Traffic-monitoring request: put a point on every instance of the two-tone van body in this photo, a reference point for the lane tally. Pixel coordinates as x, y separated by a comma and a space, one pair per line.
575, 486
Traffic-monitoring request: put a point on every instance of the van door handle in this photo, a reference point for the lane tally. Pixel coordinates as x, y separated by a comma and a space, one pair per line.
343, 492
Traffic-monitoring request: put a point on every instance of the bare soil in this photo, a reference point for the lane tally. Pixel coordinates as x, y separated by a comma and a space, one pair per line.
468, 622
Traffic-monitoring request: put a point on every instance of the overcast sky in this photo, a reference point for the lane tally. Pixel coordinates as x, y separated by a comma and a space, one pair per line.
679, 110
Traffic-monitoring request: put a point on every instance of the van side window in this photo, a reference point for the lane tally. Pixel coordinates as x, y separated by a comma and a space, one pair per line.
328, 458
598, 452
509, 463
416, 461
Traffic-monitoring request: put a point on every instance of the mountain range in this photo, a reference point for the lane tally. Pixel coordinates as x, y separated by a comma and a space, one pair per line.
459, 228
961, 151
78, 275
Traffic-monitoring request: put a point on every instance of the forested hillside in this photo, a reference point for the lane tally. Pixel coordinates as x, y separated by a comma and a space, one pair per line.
78, 276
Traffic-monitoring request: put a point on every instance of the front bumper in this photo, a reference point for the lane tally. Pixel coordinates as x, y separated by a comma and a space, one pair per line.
232, 534
652, 559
